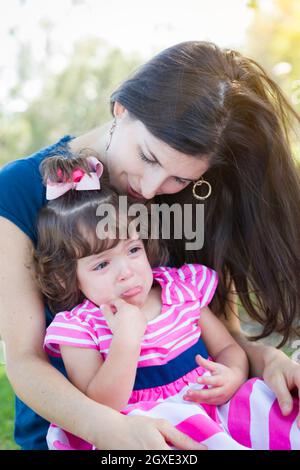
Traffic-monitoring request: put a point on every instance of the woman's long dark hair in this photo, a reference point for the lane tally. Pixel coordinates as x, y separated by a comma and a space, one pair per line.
217, 104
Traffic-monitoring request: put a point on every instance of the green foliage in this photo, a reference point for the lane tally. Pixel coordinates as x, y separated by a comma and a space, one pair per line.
273, 40
71, 102
76, 99
6, 413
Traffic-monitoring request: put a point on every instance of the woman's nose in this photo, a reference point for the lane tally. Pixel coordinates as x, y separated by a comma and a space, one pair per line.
150, 186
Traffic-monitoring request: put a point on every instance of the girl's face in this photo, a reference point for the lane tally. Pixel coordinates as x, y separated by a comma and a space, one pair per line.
121, 272
140, 162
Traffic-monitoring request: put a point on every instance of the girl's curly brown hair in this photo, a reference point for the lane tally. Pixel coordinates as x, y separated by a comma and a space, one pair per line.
67, 231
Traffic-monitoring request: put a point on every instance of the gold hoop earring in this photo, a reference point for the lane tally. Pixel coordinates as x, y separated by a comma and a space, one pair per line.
199, 183
111, 134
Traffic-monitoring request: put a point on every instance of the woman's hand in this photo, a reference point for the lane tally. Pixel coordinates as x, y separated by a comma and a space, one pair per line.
282, 375
125, 319
144, 433
223, 382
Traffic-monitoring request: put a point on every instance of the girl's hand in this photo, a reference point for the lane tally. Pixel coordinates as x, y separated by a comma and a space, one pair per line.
223, 383
124, 319
144, 433
282, 375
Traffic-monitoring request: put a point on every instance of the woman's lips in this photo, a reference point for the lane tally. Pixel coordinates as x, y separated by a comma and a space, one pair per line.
133, 193
132, 292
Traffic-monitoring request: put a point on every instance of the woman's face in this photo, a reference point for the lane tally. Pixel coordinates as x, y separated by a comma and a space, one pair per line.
139, 161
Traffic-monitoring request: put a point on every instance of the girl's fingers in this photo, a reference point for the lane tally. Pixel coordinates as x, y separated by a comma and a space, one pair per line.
107, 311
213, 380
117, 301
202, 396
117, 304
209, 365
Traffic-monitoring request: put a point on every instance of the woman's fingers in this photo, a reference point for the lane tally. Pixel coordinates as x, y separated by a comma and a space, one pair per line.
282, 393
296, 379
176, 438
298, 417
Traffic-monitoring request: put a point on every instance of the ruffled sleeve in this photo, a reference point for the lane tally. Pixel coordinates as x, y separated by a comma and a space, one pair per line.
202, 280
71, 330
191, 282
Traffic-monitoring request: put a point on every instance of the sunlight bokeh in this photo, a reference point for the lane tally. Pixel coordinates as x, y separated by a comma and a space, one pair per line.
54, 52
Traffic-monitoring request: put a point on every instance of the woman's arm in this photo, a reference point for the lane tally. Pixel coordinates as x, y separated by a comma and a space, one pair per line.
258, 353
279, 372
22, 326
39, 384
108, 382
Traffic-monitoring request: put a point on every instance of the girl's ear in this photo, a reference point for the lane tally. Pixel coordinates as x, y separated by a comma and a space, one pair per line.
119, 110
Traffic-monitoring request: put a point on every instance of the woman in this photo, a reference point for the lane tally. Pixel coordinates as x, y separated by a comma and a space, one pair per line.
194, 111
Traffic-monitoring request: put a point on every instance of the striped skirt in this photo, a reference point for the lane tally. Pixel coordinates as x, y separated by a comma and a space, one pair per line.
251, 419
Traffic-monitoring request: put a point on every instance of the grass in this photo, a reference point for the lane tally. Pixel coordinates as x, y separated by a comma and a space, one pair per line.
6, 413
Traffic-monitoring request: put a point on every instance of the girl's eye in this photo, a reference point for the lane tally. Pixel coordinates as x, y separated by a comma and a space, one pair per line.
147, 160
100, 266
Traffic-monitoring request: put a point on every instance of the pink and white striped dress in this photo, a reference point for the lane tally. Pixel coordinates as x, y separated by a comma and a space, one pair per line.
167, 369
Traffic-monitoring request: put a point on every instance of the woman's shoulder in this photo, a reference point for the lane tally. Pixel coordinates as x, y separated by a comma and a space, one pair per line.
34, 160
22, 193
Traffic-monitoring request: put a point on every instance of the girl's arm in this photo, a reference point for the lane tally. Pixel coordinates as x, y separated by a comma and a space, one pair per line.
229, 369
108, 382
221, 345
39, 384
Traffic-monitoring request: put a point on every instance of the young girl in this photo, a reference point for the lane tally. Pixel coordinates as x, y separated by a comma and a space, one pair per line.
128, 332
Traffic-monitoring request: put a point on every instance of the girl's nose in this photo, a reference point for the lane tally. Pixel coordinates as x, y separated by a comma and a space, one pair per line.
125, 272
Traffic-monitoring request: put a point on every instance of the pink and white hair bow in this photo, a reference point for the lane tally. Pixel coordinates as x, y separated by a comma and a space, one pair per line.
81, 181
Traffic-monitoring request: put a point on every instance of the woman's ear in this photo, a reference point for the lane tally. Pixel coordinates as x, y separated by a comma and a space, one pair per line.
119, 110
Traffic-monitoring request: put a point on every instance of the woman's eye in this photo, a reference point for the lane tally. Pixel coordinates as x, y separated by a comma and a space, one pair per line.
152, 162
135, 249
180, 181
101, 266
147, 160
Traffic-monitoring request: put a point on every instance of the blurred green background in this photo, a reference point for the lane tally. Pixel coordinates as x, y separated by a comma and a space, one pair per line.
6, 413
60, 60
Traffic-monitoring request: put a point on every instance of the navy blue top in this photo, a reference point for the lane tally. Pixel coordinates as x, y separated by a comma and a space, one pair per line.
22, 194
